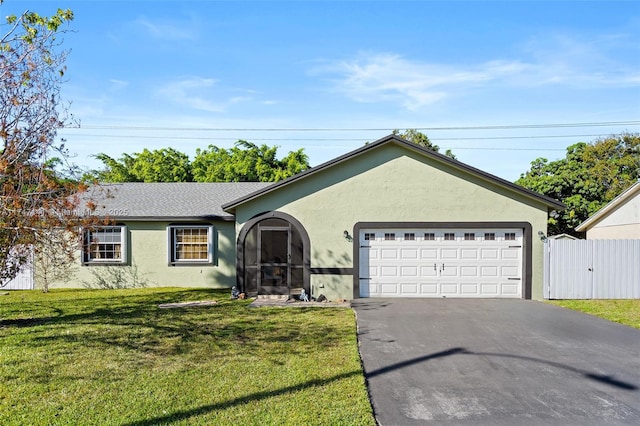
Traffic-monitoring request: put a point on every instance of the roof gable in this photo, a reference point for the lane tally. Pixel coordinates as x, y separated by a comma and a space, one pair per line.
611, 207
393, 139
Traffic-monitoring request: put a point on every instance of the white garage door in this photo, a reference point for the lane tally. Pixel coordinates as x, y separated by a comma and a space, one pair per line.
441, 263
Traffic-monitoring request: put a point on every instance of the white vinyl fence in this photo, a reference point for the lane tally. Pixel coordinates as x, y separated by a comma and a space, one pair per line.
25, 279
592, 269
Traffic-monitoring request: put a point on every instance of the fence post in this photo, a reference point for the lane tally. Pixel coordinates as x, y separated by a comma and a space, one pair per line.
545, 271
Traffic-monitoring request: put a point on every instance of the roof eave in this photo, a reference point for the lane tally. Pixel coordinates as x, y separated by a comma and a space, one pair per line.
206, 218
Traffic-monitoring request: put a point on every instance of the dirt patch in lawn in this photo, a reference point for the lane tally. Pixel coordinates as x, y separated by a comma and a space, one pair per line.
188, 304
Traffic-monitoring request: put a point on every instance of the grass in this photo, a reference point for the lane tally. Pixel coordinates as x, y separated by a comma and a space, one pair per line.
112, 357
625, 311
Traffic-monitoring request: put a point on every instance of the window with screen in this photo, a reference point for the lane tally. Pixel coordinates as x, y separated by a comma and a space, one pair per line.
105, 244
190, 244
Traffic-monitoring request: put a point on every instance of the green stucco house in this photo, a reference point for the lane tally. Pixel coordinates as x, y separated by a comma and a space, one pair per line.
390, 219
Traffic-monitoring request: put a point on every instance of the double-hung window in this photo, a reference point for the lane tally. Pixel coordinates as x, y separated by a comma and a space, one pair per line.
105, 244
190, 244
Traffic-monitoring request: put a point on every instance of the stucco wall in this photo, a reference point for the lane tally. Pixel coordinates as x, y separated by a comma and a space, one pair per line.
389, 184
615, 232
621, 223
148, 261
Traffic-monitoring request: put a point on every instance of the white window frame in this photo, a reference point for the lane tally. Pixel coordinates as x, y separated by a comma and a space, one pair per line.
172, 245
88, 234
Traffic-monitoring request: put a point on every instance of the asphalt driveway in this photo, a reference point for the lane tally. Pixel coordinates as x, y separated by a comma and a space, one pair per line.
496, 362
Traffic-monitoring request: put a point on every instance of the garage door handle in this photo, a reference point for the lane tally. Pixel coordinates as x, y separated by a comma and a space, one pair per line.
514, 279
515, 246
365, 278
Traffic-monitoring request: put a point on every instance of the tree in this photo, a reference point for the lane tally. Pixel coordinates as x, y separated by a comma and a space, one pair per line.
36, 194
114, 170
246, 162
421, 139
53, 259
590, 175
160, 165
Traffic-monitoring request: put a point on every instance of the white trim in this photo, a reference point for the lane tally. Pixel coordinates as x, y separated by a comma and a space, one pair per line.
86, 251
171, 245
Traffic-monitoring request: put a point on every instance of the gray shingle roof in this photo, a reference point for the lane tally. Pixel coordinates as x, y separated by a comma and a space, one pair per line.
158, 201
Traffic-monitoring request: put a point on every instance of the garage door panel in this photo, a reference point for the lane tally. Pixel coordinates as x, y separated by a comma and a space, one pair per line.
448, 253
389, 253
468, 271
469, 289
409, 253
409, 271
510, 289
429, 289
448, 289
489, 289
489, 253
429, 254
510, 253
489, 271
389, 271
428, 271
409, 289
509, 271
467, 253
449, 271
389, 289
441, 263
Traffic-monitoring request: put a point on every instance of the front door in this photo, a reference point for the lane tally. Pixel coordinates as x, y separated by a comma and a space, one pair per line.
274, 243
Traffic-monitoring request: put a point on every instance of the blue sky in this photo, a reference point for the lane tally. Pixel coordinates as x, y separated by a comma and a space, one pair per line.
187, 74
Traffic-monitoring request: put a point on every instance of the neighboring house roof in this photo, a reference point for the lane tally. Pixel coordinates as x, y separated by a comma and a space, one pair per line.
562, 237
393, 139
626, 195
167, 201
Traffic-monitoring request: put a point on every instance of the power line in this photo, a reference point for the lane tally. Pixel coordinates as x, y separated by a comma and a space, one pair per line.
335, 139
462, 148
386, 129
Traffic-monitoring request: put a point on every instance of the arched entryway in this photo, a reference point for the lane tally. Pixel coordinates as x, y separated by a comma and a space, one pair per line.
273, 256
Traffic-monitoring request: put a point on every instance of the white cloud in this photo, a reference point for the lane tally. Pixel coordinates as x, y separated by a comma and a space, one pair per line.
381, 77
118, 84
192, 92
167, 30
205, 94
544, 61
596, 62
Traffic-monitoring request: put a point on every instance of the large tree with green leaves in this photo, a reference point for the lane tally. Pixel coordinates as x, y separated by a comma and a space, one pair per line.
36, 194
160, 165
247, 162
590, 175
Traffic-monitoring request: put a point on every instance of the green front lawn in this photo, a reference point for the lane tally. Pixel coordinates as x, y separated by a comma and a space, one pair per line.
112, 357
625, 311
